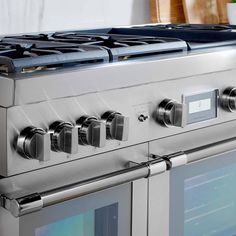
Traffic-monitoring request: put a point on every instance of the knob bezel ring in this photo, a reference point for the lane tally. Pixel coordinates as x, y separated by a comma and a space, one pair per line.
108, 117
54, 131
163, 108
24, 139
228, 99
83, 124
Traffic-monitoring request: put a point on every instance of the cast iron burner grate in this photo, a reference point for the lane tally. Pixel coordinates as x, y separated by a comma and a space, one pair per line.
22, 56
197, 36
118, 46
110, 41
193, 27
122, 46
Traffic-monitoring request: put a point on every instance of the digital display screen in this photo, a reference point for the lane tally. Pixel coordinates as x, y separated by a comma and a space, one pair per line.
99, 222
199, 106
210, 203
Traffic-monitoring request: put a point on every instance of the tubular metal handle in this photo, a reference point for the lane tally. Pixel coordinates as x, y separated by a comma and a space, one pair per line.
22, 204
211, 150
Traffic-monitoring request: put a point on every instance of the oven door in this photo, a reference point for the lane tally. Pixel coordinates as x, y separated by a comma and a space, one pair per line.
203, 197
104, 213
197, 196
87, 200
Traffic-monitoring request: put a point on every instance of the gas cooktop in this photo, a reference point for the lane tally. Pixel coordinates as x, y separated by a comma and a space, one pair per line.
23, 54
30, 53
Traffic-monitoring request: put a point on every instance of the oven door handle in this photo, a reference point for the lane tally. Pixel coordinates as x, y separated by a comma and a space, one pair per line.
21, 203
210, 150
199, 153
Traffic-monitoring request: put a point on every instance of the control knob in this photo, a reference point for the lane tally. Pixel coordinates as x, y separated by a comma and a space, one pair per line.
64, 137
91, 131
117, 125
228, 99
34, 143
171, 113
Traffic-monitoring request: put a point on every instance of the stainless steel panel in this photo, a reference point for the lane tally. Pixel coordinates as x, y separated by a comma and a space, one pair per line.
3, 141
159, 206
9, 225
127, 101
123, 74
7, 92
193, 139
71, 172
140, 207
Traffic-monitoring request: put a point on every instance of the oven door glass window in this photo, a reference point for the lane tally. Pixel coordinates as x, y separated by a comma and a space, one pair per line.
203, 196
106, 213
99, 222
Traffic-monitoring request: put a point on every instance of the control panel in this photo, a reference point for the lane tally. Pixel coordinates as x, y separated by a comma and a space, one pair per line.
65, 137
61, 136
61, 130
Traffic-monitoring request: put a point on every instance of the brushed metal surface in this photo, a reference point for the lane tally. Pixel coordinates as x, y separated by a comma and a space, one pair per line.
56, 176
73, 82
127, 101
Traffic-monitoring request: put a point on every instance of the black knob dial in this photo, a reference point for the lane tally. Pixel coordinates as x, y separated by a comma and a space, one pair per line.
91, 131
64, 137
34, 143
117, 125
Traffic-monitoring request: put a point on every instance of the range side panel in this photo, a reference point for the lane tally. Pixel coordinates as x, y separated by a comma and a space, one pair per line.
3, 141
7, 90
9, 225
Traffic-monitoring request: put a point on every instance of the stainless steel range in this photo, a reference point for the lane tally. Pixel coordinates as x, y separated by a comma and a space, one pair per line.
119, 132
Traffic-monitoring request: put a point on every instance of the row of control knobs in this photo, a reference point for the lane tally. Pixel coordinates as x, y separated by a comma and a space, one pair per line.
172, 113
36, 143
